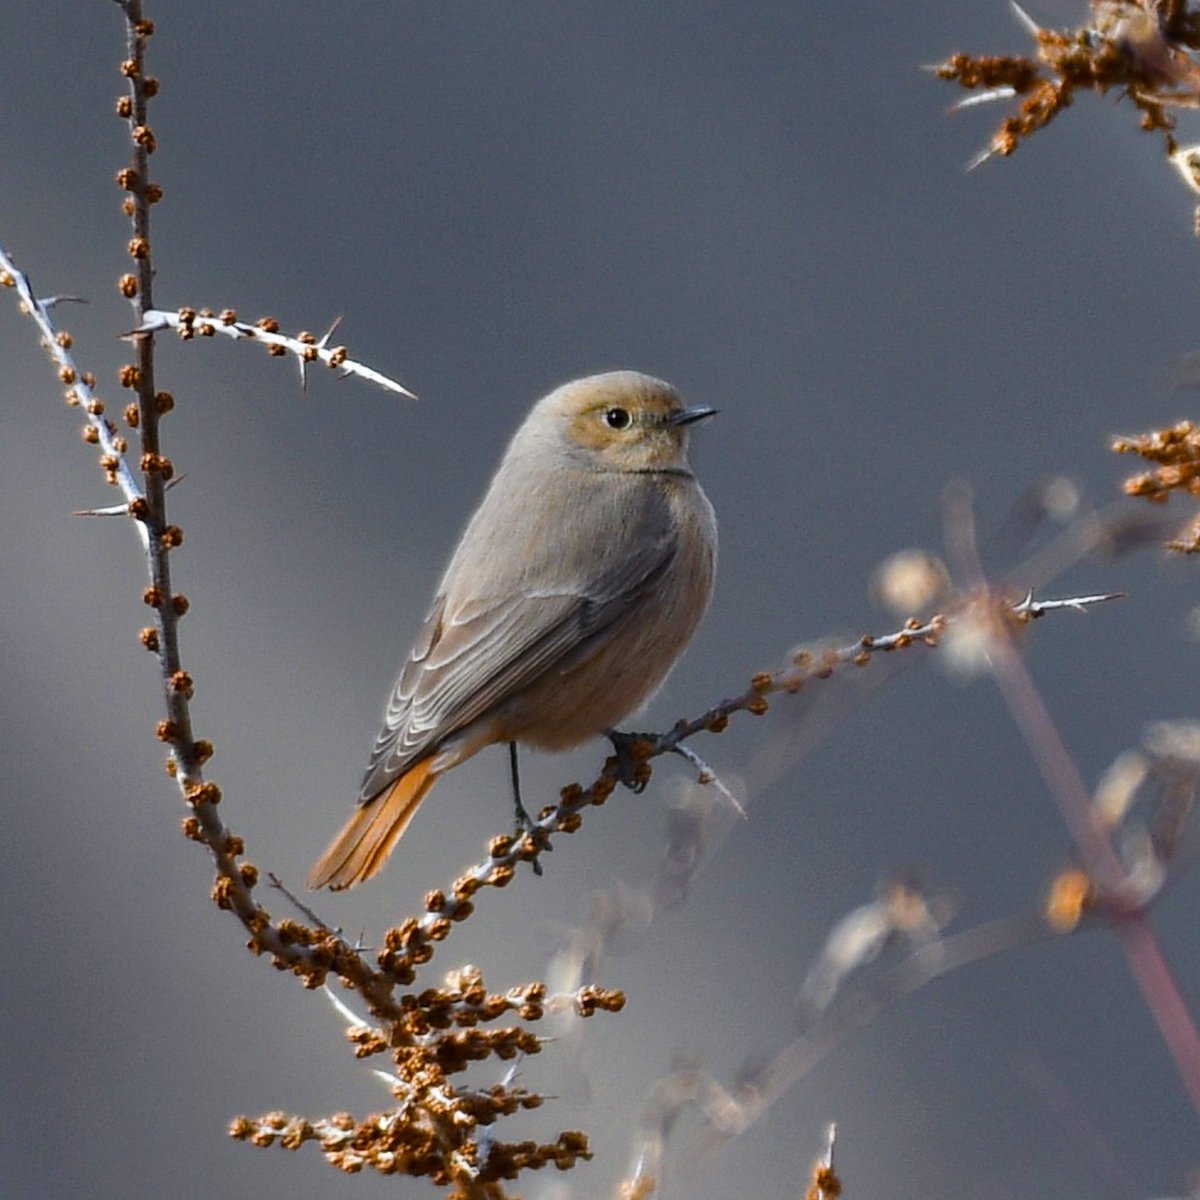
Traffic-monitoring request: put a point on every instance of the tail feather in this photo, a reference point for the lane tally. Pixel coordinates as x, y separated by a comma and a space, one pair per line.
367, 839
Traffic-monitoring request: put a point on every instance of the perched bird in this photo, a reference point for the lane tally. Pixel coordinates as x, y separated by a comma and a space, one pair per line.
576, 585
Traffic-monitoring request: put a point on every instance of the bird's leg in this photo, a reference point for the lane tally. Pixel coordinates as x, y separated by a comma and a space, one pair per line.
524, 822
633, 765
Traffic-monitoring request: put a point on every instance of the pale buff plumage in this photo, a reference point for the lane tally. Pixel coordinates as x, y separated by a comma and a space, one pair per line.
577, 584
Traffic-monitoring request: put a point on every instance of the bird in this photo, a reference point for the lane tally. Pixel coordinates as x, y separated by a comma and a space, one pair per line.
575, 587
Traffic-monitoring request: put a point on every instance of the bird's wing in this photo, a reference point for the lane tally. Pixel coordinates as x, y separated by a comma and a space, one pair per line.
472, 659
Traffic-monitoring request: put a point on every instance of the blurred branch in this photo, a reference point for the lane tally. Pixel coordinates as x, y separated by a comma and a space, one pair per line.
1112, 892
858, 1007
729, 1112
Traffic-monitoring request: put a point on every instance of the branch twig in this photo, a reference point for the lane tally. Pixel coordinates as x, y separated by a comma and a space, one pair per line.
307, 348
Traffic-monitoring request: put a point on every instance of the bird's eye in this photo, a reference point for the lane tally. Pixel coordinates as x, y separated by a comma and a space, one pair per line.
617, 418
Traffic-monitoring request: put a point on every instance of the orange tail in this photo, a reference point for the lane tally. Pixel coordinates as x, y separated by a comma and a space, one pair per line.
369, 836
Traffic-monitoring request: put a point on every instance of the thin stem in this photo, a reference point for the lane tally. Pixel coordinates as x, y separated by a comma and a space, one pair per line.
154, 484
1158, 985
1131, 922
1127, 915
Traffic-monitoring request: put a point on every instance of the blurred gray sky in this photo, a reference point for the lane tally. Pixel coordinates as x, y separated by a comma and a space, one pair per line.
765, 204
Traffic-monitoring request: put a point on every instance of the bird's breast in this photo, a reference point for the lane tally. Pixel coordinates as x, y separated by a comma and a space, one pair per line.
597, 689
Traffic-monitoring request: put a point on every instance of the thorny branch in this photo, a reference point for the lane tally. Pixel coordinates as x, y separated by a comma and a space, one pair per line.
314, 952
434, 1034
1175, 453
306, 347
1142, 49
806, 667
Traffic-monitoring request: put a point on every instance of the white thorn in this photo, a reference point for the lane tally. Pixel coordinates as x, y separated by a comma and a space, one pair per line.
343, 1010
705, 770
986, 97
980, 158
50, 301
330, 332
117, 510
1025, 19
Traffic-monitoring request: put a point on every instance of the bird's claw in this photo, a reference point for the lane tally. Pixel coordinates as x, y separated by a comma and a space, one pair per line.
524, 825
632, 752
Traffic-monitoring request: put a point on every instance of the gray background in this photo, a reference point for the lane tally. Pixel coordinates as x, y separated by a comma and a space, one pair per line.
765, 204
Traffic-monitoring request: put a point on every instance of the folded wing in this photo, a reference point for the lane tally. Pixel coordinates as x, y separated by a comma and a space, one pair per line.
469, 660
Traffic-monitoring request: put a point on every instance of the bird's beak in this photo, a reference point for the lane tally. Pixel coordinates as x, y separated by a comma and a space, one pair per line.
688, 416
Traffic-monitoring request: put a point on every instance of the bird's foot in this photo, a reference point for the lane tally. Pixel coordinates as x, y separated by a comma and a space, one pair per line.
632, 753
523, 821
523, 824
